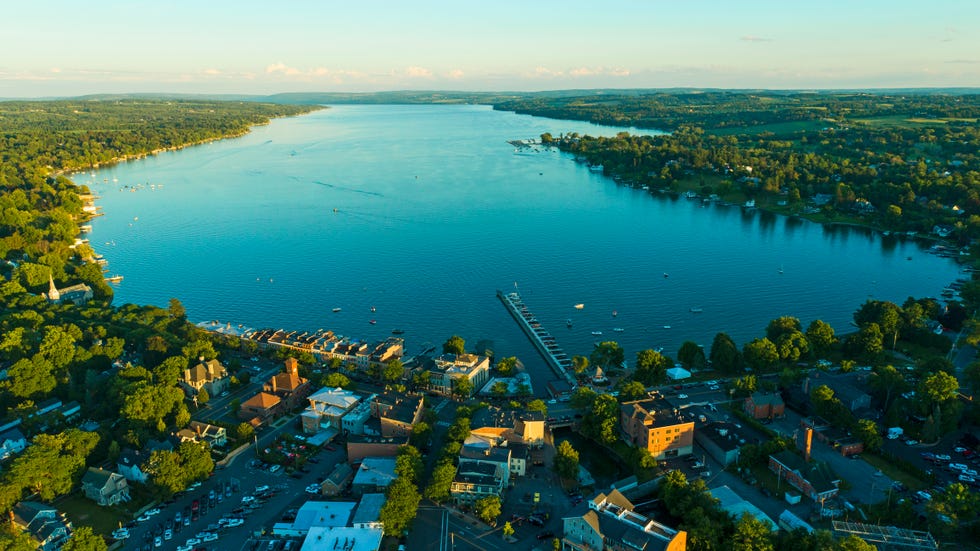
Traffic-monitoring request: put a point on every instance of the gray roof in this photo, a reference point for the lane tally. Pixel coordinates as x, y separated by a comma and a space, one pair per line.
368, 509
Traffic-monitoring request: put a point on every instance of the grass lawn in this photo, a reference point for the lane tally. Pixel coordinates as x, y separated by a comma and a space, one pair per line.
84, 512
894, 472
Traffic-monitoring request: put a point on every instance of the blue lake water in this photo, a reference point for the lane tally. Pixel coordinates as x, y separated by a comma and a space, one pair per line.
423, 212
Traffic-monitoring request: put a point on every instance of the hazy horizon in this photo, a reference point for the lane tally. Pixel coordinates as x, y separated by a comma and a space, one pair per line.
65, 48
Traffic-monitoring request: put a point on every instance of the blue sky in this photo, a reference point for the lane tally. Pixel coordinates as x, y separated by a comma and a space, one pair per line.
52, 47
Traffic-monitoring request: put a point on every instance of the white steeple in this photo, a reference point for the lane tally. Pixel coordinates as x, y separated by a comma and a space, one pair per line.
53, 294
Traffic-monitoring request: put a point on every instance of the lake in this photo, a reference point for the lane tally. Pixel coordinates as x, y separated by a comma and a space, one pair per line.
423, 212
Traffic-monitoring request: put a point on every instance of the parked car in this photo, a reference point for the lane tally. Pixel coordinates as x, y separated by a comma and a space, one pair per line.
546, 534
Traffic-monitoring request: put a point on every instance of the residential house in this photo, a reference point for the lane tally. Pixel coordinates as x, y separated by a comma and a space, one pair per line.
609, 522
654, 425
48, 528
288, 385
765, 405
12, 442
397, 412
130, 465
196, 431
260, 407
446, 369
374, 475
208, 375
105, 487
327, 407
337, 481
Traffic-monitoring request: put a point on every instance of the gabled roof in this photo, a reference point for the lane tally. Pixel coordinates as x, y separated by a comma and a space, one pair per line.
98, 477
287, 381
12, 434
262, 400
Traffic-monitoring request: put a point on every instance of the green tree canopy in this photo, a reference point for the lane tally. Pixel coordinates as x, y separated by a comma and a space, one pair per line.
725, 356
454, 345
487, 509
401, 506
607, 354
566, 461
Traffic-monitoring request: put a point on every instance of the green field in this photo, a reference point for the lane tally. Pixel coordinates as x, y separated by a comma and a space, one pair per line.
779, 129
902, 121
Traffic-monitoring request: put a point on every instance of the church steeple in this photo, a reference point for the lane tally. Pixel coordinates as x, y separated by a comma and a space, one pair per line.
53, 294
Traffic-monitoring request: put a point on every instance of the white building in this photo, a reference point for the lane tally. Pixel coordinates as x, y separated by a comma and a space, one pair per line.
327, 407
342, 539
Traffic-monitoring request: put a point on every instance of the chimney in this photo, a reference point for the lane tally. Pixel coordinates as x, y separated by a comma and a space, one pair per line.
272, 383
197, 428
807, 443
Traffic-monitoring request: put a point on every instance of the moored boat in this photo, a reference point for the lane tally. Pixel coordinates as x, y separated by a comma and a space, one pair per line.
579, 306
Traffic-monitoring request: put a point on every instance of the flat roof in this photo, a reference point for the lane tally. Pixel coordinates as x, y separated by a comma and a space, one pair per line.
345, 538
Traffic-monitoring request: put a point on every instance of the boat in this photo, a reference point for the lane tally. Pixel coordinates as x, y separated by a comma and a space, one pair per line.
568, 322
579, 306
615, 313
666, 327
697, 310
114, 278
597, 333
372, 322
596, 168
618, 329
666, 275
335, 310
397, 331
373, 309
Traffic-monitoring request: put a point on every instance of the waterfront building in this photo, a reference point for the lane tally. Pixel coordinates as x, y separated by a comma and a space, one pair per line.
654, 425
446, 369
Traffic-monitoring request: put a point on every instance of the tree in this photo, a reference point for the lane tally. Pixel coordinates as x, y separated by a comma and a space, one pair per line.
792, 346
746, 385
441, 481
602, 424
84, 539
691, 355
408, 463
336, 380
579, 364
508, 530
195, 350
971, 376
751, 534
400, 507
854, 543
820, 336
203, 397
566, 461
867, 431
606, 355
487, 509
170, 370
499, 389
651, 367
760, 354
52, 464
462, 387
244, 432
507, 366
867, 343
886, 315
725, 356
455, 345
177, 311
886, 382
633, 390
781, 326
392, 371
537, 405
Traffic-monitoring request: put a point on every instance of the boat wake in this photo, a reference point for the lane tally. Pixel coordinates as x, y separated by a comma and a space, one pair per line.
352, 190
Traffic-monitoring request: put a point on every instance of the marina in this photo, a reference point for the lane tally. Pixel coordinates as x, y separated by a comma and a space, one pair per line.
543, 340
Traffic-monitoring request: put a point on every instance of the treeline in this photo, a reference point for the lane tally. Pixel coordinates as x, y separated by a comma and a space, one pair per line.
715, 109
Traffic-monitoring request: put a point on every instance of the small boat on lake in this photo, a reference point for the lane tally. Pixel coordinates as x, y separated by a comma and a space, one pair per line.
372, 322
618, 329
666, 327
697, 310
615, 313
335, 310
397, 331
373, 309
597, 333
568, 322
579, 306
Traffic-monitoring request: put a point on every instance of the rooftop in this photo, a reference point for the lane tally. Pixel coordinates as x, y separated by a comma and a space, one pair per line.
342, 539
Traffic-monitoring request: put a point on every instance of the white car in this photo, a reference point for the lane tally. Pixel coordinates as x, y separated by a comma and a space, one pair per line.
168, 534
235, 522
714, 387
153, 511
185, 548
911, 442
211, 536
682, 396
143, 518
193, 541
120, 534
248, 499
959, 449
157, 542
313, 489
966, 478
260, 489
195, 485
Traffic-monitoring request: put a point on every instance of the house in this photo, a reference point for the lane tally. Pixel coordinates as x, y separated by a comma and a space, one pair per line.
260, 407
609, 522
850, 395
12, 442
764, 405
48, 528
105, 487
397, 412
288, 385
446, 369
337, 481
654, 425
374, 475
130, 465
196, 431
208, 375
327, 407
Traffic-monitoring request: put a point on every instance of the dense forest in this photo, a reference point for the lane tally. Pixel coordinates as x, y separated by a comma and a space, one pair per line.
120, 364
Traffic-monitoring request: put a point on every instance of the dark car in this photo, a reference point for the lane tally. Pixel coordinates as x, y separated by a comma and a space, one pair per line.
546, 534
313, 460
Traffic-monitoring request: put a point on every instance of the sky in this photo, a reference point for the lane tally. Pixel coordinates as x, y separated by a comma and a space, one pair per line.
70, 48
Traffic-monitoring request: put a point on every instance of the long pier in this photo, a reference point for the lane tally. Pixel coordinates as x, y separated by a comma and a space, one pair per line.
546, 344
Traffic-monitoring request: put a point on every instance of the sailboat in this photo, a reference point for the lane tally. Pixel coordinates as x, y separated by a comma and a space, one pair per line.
780, 268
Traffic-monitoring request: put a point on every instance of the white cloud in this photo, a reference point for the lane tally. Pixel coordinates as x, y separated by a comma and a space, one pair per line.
455, 74
418, 72
753, 38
